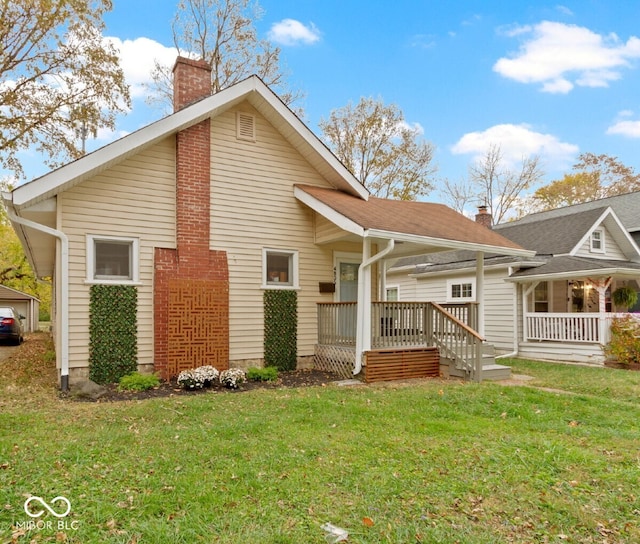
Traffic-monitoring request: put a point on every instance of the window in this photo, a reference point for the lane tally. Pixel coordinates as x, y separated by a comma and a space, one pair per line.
597, 241
541, 297
111, 259
460, 290
393, 293
280, 268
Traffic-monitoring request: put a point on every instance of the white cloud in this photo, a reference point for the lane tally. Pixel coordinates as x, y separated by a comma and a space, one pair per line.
292, 32
630, 129
559, 56
516, 142
137, 60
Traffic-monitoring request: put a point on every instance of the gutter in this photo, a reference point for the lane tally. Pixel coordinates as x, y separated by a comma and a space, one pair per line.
513, 353
364, 309
64, 289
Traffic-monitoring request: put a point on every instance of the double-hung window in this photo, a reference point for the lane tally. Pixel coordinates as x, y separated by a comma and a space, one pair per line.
597, 241
112, 259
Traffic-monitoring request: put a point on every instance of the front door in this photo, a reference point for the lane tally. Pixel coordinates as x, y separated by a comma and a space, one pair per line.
347, 281
347, 291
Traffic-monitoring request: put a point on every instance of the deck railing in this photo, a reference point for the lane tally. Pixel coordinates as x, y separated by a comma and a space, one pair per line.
588, 328
409, 324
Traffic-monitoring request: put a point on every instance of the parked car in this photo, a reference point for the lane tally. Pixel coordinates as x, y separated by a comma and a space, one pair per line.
11, 327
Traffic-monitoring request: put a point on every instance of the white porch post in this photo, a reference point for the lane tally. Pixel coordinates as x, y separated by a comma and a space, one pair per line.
601, 286
363, 319
480, 291
525, 308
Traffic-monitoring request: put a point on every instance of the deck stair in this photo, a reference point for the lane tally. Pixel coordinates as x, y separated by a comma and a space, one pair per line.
490, 369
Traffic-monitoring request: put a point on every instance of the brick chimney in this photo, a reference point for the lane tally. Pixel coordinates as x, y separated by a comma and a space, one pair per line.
191, 282
484, 217
191, 82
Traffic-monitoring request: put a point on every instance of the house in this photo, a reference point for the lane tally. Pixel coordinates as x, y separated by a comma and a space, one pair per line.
205, 212
26, 305
555, 305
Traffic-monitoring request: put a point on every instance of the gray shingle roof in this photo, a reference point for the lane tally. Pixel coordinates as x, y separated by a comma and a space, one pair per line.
568, 264
551, 236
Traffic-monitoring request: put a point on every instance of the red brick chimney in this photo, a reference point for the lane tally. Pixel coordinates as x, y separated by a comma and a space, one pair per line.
484, 217
191, 283
191, 82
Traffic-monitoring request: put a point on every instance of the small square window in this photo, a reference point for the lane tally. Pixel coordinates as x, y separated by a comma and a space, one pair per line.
280, 268
112, 259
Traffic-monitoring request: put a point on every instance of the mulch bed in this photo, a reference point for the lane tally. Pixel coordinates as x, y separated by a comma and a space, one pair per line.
295, 378
616, 364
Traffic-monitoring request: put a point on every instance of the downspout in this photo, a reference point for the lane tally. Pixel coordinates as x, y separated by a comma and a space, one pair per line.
64, 295
514, 353
363, 311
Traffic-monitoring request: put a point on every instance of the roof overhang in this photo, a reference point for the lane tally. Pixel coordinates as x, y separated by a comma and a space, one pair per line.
618, 272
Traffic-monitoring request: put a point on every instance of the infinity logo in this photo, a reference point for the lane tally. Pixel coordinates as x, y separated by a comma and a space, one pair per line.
51, 510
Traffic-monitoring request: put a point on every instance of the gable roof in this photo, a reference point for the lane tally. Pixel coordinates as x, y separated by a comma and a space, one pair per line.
423, 223
556, 239
625, 206
552, 236
252, 89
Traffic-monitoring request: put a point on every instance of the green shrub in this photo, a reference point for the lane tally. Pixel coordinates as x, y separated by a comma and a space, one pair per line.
281, 329
113, 344
266, 374
138, 382
625, 340
625, 297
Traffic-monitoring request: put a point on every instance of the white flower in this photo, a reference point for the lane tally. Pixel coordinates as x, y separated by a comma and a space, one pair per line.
232, 378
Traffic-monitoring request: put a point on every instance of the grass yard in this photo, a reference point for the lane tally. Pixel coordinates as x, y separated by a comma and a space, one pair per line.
435, 461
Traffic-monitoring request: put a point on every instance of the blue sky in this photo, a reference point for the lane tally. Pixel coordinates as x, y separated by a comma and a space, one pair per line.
545, 78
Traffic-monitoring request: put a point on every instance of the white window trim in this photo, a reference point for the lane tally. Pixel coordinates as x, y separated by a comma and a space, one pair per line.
135, 258
601, 249
393, 286
461, 281
295, 284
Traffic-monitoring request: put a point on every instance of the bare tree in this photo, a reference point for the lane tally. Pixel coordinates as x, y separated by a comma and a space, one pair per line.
495, 185
222, 33
54, 59
375, 143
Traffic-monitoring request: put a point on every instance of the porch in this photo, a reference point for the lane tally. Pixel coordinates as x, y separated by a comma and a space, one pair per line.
403, 329
574, 337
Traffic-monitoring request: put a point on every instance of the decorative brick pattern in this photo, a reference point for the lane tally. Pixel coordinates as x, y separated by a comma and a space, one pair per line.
191, 82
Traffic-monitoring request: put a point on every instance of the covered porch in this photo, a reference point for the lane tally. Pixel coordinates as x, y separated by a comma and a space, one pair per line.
569, 319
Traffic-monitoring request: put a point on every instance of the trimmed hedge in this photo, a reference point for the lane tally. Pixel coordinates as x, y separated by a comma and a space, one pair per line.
113, 341
281, 329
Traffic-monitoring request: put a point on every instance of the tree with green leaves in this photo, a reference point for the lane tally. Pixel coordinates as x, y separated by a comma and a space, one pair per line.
222, 33
375, 143
15, 271
58, 74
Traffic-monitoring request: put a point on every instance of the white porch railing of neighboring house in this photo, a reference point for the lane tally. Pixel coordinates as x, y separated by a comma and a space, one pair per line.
450, 327
590, 328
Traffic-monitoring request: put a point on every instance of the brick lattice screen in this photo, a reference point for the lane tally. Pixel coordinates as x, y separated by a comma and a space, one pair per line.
197, 328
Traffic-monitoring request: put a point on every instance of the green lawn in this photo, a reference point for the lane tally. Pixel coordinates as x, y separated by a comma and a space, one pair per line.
432, 462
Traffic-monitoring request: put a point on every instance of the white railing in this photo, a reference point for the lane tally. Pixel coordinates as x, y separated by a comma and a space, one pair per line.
586, 328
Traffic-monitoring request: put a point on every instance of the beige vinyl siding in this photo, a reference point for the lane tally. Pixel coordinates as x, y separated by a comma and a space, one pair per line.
253, 207
611, 248
133, 199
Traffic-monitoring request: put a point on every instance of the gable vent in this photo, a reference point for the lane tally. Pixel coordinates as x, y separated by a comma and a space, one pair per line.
245, 126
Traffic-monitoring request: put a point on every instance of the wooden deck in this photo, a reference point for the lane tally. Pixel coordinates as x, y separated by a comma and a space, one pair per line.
401, 364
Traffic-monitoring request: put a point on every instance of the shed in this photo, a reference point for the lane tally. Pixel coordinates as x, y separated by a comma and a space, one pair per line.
27, 305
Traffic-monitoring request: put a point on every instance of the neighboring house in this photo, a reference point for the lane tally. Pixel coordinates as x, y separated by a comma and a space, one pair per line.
556, 305
26, 305
205, 211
